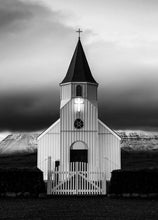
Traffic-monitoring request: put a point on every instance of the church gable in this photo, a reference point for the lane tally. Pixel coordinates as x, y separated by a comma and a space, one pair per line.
109, 147
104, 129
54, 128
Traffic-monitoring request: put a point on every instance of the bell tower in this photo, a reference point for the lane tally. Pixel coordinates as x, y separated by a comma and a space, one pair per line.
78, 114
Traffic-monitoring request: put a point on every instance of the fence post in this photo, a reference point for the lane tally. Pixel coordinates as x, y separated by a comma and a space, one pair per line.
49, 177
76, 178
104, 184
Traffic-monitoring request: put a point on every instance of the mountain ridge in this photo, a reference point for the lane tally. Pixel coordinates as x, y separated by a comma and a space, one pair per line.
130, 141
18, 143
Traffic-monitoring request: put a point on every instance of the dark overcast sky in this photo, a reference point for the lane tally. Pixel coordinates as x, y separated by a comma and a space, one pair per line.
37, 40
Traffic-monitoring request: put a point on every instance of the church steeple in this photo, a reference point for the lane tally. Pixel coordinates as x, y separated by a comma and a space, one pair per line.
79, 70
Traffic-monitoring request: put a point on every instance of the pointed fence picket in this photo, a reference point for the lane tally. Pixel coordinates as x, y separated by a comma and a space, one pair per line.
77, 181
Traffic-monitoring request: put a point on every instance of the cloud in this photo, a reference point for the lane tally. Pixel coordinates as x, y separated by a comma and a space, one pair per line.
37, 41
130, 118
29, 17
35, 110
38, 109
11, 11
130, 108
29, 64
31, 56
14, 14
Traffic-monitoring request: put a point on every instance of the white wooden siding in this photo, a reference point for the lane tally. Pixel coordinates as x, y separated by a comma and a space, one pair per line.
49, 145
91, 92
65, 91
68, 90
89, 115
87, 134
65, 94
104, 152
110, 152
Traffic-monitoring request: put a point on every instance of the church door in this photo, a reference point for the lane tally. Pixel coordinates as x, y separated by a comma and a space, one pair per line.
79, 152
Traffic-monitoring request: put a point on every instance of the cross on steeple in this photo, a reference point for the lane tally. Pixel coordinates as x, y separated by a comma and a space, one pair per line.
79, 32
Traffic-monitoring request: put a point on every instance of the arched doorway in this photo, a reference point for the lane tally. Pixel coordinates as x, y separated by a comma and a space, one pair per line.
79, 152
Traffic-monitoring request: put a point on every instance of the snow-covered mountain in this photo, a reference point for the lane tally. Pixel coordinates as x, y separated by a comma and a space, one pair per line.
139, 140
131, 141
19, 143
135, 133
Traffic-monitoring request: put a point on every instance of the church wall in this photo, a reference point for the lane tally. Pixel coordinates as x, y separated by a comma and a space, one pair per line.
49, 145
89, 91
84, 89
90, 139
88, 114
92, 92
68, 91
65, 91
110, 151
87, 134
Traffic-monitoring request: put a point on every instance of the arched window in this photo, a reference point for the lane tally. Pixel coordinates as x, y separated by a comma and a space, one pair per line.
78, 90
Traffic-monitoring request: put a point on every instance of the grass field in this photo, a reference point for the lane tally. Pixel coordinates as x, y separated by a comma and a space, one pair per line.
129, 160
139, 159
65, 208
73, 208
19, 160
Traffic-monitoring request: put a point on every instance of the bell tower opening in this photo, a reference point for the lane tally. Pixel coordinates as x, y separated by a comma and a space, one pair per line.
79, 90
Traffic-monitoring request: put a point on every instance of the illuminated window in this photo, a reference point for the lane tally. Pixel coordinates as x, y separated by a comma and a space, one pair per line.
79, 102
78, 90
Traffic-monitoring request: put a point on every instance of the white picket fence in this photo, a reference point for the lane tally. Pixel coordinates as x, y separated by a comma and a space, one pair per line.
77, 181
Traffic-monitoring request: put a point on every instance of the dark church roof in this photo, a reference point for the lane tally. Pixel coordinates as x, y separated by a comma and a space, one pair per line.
79, 70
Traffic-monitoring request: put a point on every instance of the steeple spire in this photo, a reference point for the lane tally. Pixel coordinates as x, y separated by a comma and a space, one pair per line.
79, 70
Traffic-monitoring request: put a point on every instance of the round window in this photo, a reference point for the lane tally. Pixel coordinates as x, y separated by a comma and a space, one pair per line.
78, 123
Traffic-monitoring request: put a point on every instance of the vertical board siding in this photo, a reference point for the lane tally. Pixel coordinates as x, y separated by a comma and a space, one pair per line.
109, 146
49, 145
103, 145
90, 139
89, 114
105, 157
88, 134
76, 181
91, 92
65, 92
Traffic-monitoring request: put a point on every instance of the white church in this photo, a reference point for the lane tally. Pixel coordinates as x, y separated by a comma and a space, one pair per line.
78, 146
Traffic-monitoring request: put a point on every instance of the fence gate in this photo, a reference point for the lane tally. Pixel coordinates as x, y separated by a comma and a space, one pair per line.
77, 181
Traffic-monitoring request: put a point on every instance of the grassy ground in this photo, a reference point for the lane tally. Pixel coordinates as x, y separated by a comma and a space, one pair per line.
139, 159
80, 207
129, 160
75, 208
19, 160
